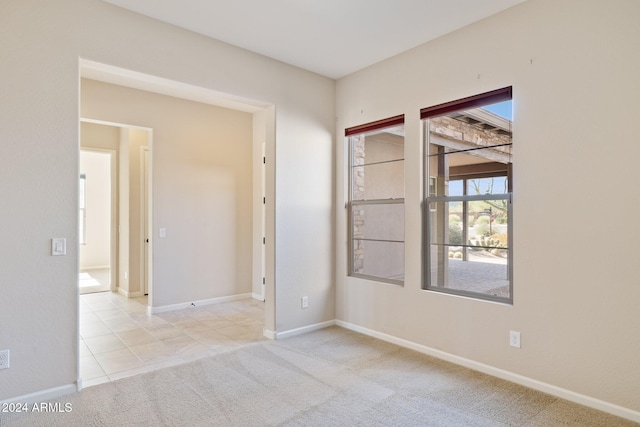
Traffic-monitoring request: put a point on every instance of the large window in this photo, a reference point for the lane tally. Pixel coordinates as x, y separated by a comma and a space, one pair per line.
376, 200
468, 215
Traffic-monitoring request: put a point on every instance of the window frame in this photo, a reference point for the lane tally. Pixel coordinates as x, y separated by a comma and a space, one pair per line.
351, 203
476, 101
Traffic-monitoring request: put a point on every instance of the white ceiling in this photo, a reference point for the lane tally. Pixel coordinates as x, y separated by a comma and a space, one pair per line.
330, 37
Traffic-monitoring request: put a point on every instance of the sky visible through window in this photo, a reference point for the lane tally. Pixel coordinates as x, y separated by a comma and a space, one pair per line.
503, 109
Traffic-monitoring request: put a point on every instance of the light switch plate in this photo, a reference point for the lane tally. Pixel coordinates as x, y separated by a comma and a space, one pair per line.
58, 246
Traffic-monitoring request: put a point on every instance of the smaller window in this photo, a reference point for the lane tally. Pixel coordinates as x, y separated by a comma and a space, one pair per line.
376, 200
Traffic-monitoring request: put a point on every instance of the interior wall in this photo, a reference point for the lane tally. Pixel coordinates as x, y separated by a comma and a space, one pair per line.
42, 44
304, 220
202, 158
96, 252
99, 136
575, 301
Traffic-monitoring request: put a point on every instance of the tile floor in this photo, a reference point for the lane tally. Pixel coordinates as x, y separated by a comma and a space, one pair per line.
119, 339
94, 280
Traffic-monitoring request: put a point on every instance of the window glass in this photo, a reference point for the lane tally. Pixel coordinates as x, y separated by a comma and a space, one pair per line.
493, 185
468, 198
456, 188
391, 253
379, 221
376, 204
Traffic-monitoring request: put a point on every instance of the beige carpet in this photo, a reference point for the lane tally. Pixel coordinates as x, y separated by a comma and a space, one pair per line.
331, 377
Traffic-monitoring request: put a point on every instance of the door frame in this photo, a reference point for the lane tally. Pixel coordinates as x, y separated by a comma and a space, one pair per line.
146, 217
263, 221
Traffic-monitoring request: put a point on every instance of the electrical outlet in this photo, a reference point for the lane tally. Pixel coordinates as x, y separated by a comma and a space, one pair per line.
514, 339
4, 359
304, 302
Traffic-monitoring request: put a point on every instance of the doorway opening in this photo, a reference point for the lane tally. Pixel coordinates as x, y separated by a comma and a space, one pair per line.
114, 208
95, 218
93, 308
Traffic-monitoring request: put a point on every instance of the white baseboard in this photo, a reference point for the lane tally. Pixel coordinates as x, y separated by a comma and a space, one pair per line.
471, 364
96, 267
257, 296
44, 395
304, 329
199, 303
273, 335
562, 393
269, 334
129, 294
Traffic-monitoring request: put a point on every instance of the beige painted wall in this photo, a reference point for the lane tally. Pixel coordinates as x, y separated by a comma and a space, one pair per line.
42, 42
99, 136
576, 293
